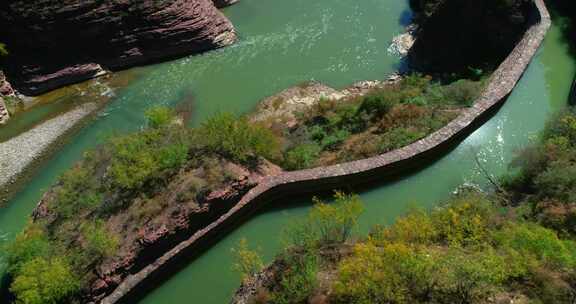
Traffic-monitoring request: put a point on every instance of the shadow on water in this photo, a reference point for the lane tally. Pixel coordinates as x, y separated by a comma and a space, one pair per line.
405, 18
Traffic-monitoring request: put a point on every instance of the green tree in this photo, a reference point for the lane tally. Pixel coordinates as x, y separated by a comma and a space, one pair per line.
99, 242
327, 222
42, 281
237, 138
159, 116
31, 243
298, 280
301, 156
247, 262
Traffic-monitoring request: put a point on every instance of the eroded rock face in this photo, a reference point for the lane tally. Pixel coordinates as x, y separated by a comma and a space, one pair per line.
456, 35
57, 42
166, 231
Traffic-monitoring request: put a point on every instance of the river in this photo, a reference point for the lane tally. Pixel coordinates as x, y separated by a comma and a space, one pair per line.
283, 43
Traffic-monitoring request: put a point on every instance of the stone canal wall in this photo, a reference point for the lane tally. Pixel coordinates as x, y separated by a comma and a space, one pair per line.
501, 84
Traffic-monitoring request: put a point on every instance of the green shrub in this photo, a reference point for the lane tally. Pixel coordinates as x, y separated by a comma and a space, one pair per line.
77, 192
462, 92
416, 227
29, 244
415, 81
98, 241
393, 116
298, 279
544, 174
41, 281
133, 162
563, 124
159, 116
333, 140
13, 103
466, 220
327, 223
380, 274
463, 277
139, 158
334, 222
398, 138
558, 181
247, 262
237, 139
301, 156
541, 243
376, 105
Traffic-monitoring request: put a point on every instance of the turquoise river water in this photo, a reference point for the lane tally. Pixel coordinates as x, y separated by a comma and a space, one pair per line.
283, 43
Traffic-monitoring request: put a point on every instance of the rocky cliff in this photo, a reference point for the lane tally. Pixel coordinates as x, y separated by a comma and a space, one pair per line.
456, 35
52, 43
145, 234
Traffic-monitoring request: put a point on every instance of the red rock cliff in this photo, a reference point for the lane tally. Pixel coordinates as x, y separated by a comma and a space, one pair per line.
57, 42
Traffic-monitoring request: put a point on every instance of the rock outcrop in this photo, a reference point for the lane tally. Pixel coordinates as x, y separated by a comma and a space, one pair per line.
280, 110
456, 35
52, 43
6, 92
180, 217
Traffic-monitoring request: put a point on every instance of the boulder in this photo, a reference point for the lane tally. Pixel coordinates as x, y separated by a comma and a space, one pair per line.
52, 43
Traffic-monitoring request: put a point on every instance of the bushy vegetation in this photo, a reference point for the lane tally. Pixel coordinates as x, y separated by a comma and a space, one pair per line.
545, 177
3, 50
13, 104
511, 246
334, 131
247, 262
327, 223
465, 252
299, 279
237, 139
98, 207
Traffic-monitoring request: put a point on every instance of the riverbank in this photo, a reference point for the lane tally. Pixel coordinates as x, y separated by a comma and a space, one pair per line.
513, 244
23, 152
499, 87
